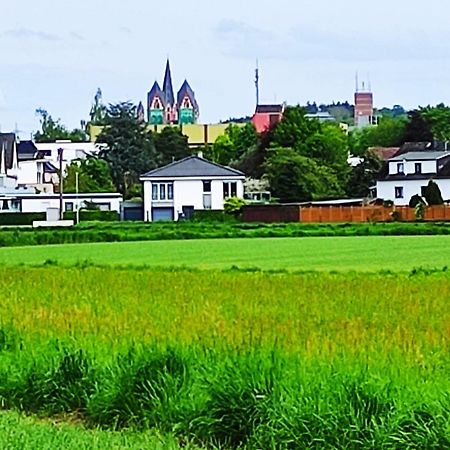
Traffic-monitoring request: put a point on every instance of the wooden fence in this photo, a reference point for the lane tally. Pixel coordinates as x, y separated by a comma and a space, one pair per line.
329, 214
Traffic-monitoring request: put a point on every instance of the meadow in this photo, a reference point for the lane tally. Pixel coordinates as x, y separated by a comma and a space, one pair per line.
228, 358
360, 253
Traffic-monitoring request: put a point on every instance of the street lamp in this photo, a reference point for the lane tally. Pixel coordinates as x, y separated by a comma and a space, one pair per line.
76, 199
61, 200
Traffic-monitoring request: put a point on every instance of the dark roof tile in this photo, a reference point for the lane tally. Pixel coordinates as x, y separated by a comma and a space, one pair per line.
193, 166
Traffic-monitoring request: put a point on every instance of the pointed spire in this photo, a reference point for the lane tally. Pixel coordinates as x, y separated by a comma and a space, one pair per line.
140, 113
167, 86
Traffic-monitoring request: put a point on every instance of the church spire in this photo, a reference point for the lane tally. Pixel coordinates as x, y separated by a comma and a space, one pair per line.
167, 86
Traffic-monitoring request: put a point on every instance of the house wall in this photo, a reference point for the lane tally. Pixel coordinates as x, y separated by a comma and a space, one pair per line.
409, 166
40, 203
189, 192
71, 151
386, 189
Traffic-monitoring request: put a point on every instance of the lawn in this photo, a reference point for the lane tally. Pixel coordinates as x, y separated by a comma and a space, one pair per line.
366, 253
230, 359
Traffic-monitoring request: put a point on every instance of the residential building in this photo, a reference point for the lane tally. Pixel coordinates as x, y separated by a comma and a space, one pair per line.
193, 183
409, 172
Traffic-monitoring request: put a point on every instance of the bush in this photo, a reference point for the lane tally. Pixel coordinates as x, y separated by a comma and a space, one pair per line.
20, 218
93, 215
233, 206
210, 215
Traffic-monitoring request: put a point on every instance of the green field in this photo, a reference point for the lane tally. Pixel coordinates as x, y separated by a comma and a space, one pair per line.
225, 359
367, 253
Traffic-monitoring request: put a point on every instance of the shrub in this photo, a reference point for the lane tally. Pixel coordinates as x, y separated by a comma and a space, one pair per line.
233, 206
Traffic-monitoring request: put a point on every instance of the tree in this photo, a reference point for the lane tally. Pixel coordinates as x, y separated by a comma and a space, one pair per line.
364, 175
171, 145
93, 176
98, 110
296, 178
389, 132
418, 128
222, 151
438, 118
53, 130
130, 149
432, 194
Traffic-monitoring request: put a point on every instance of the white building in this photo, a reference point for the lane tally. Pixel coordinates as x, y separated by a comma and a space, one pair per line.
409, 173
71, 151
193, 183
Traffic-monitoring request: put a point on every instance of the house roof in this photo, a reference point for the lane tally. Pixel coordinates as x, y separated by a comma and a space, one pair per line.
193, 166
7, 142
26, 150
384, 153
269, 109
421, 156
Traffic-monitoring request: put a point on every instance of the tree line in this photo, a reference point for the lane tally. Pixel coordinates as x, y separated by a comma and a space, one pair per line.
299, 159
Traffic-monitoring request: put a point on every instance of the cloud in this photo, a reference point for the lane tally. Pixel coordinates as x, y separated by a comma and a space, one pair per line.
3, 102
76, 36
27, 33
307, 43
125, 30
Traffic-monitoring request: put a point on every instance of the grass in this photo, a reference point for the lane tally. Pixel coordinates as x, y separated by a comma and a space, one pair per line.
229, 359
366, 253
28, 433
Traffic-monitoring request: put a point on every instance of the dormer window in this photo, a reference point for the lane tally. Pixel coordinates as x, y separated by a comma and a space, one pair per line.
156, 104
400, 168
418, 168
186, 103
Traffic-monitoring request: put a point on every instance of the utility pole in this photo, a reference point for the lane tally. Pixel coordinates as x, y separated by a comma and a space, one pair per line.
61, 202
76, 199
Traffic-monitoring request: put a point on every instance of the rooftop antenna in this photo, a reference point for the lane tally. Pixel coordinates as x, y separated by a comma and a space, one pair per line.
357, 81
368, 81
257, 82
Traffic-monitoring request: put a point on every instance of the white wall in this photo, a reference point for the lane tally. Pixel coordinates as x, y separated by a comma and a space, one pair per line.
40, 203
71, 151
189, 192
386, 189
410, 166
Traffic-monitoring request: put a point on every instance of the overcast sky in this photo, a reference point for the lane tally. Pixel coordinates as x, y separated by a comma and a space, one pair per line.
55, 53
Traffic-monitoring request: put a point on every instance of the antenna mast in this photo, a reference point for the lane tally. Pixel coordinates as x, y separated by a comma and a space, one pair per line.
257, 82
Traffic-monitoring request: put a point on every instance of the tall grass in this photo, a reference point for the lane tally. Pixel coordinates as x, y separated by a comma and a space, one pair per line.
232, 359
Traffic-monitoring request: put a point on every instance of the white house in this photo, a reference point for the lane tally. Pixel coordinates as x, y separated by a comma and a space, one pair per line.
408, 174
70, 150
193, 183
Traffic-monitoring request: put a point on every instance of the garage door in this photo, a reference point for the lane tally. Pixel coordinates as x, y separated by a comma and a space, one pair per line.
159, 214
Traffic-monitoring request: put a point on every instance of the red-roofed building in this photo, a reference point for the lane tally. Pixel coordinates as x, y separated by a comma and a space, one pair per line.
267, 116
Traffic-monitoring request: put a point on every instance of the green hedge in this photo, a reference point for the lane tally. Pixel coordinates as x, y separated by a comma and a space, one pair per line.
20, 218
212, 215
93, 215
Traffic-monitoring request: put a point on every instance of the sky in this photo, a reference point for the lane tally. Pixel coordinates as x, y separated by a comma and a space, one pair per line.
56, 53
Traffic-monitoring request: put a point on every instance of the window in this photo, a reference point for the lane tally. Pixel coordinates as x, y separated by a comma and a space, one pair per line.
162, 191
226, 190
398, 192
418, 168
154, 191
229, 189
207, 186
69, 206
207, 201
400, 168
